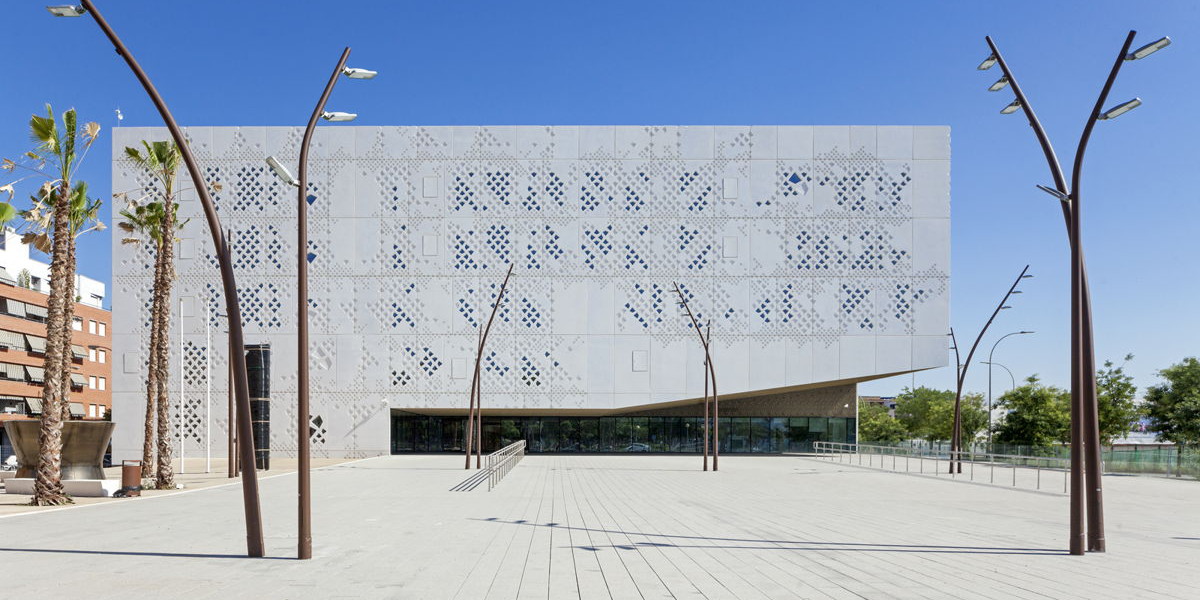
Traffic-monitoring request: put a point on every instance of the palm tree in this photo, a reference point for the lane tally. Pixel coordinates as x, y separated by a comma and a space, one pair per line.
56, 157
84, 217
157, 220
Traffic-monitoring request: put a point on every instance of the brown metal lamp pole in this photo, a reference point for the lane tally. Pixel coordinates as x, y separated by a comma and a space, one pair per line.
710, 375
956, 435
254, 531
477, 383
1085, 432
303, 433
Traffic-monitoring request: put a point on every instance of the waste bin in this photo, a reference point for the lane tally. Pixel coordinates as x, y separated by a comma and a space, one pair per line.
131, 478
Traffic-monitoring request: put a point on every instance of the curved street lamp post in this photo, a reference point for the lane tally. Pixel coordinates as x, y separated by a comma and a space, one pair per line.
956, 434
254, 532
303, 200
710, 376
474, 429
1085, 425
1012, 380
989, 363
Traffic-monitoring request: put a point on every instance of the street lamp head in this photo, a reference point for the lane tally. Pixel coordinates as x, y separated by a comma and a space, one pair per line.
68, 10
999, 85
1011, 108
338, 117
1121, 109
1025, 332
281, 171
1056, 193
987, 62
1027, 276
1005, 307
359, 73
1149, 49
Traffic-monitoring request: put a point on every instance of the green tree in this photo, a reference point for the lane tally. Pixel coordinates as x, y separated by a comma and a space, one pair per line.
1038, 415
154, 218
916, 409
928, 414
1173, 408
876, 425
61, 207
1115, 394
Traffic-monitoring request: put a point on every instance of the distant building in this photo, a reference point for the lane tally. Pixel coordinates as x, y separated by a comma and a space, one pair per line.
888, 402
24, 285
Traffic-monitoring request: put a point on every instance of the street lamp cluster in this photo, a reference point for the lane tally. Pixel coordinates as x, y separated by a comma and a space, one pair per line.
1085, 430
956, 434
254, 535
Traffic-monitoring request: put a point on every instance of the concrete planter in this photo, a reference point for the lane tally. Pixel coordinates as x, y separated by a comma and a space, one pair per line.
84, 443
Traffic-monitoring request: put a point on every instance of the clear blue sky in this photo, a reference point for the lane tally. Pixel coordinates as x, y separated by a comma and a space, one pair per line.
808, 63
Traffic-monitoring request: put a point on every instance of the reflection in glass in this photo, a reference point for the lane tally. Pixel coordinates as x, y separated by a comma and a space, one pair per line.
760, 435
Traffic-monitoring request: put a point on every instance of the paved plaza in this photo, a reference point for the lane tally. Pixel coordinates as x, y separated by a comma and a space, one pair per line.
620, 527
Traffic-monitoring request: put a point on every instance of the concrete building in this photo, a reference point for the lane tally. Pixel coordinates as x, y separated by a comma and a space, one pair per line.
24, 285
819, 254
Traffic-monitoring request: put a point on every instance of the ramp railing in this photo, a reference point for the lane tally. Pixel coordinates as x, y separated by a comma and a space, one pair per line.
1030, 472
496, 466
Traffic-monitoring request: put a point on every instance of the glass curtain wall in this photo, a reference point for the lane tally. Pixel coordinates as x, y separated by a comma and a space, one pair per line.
739, 435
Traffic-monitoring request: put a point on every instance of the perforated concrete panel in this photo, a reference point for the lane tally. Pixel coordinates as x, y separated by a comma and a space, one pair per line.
818, 254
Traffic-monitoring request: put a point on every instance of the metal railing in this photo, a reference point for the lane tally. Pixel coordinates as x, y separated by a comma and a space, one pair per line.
496, 466
1013, 470
500, 462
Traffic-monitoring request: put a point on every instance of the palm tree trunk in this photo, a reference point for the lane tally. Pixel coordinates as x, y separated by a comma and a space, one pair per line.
68, 316
166, 474
149, 469
47, 487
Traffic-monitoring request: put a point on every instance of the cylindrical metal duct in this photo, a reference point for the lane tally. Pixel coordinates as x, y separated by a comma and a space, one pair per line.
258, 371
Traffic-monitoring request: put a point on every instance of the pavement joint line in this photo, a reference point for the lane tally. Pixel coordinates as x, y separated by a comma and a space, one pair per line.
642, 533
174, 493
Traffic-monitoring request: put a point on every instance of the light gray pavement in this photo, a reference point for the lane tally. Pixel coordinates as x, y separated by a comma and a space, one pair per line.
622, 527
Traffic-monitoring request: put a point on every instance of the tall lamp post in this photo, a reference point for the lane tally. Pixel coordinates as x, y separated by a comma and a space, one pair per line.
474, 416
989, 364
1085, 422
1012, 379
710, 376
254, 532
956, 435
304, 550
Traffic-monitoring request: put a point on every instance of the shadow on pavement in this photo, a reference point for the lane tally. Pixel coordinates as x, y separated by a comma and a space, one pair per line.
783, 544
121, 553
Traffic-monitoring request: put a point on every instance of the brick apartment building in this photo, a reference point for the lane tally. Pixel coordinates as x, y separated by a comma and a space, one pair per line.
24, 284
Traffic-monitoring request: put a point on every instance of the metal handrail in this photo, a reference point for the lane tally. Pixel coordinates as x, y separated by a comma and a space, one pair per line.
496, 466
844, 452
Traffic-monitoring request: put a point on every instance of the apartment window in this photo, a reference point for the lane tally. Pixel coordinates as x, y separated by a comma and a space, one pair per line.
92, 354
103, 330
92, 327
103, 411
103, 384
102, 355
92, 411
77, 324
91, 382
35, 283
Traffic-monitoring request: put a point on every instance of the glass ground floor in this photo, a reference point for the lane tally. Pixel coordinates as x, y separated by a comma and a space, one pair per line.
765, 435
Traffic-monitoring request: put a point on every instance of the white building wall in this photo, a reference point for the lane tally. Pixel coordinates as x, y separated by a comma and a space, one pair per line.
14, 258
819, 254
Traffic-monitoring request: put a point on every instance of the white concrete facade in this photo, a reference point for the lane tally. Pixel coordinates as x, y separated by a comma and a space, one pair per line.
819, 254
14, 259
